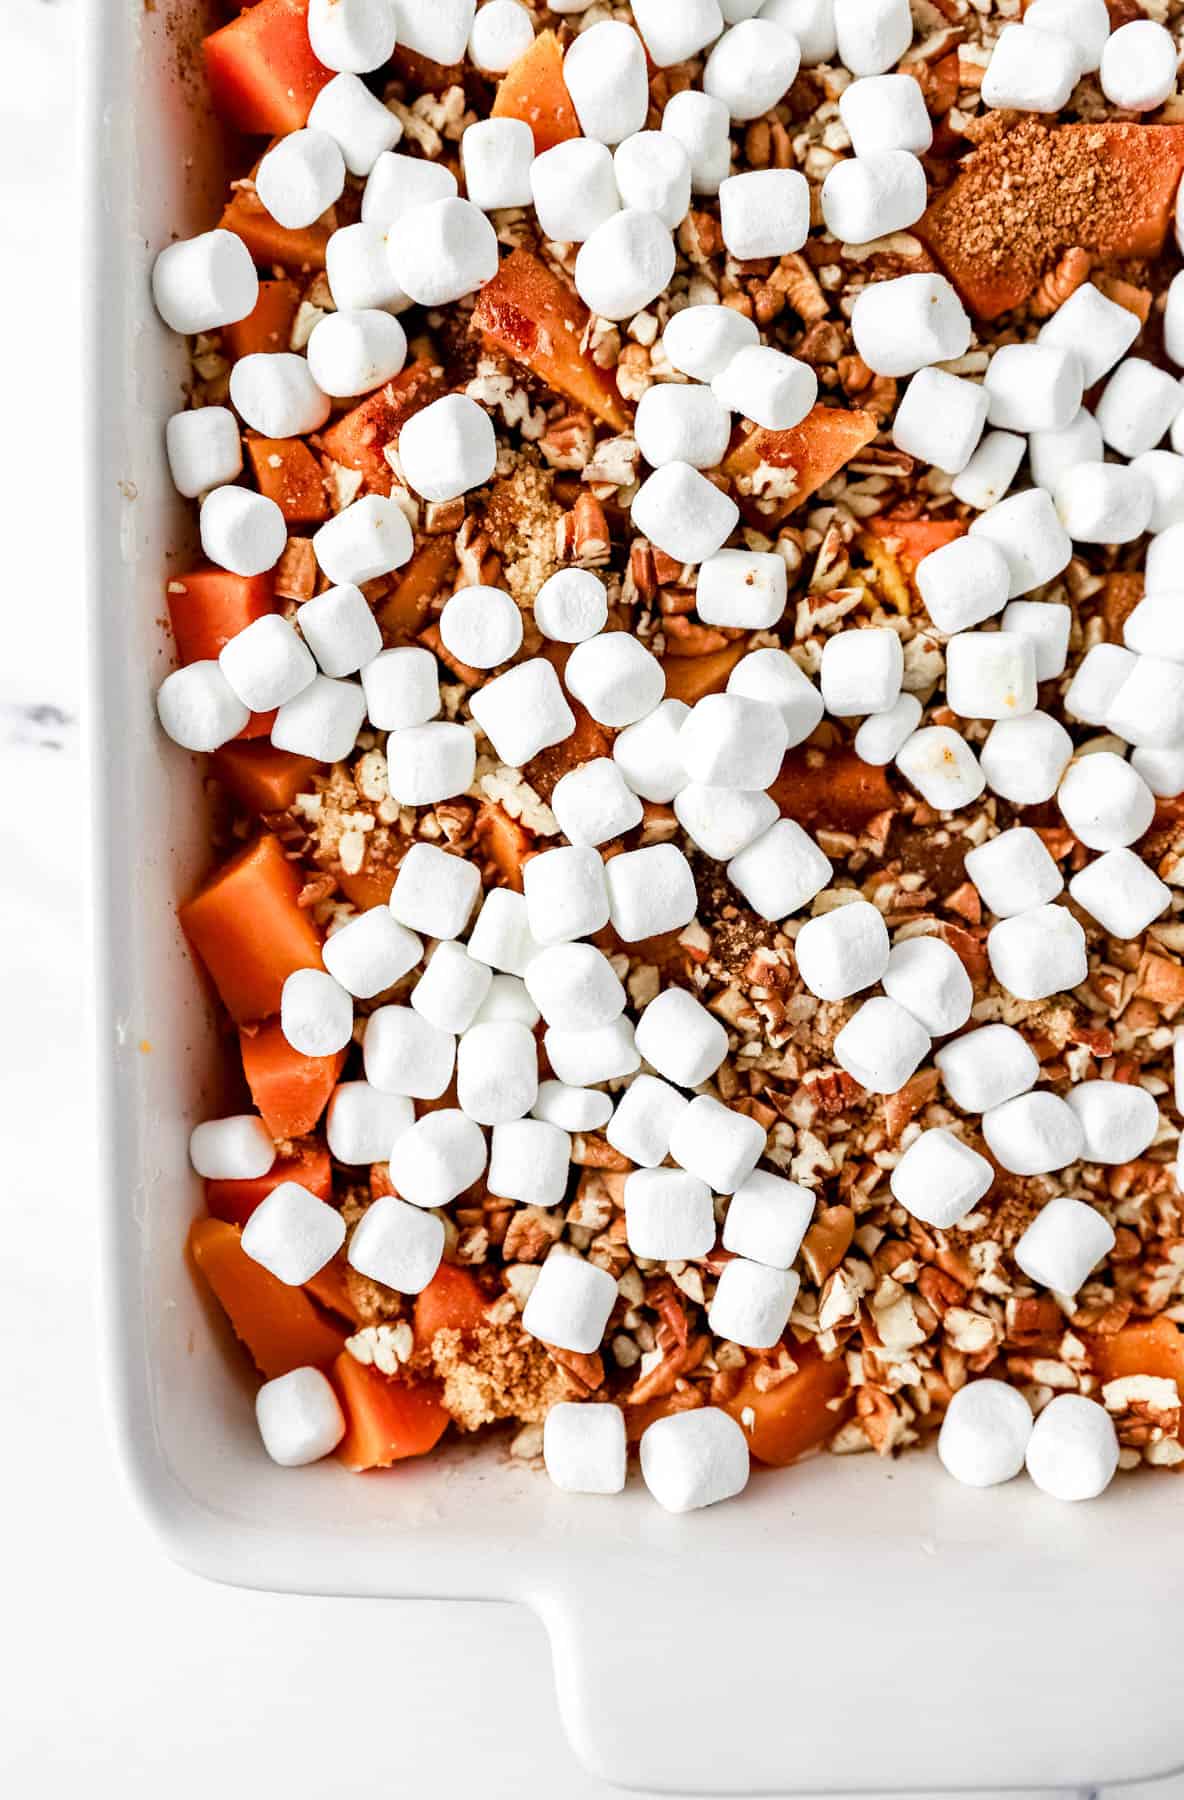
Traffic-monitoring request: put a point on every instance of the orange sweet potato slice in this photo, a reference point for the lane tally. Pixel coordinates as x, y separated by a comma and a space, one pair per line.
235, 1201
291, 1091
262, 74
503, 841
357, 440
911, 540
269, 327
270, 243
263, 778
838, 790
825, 441
287, 472
1148, 1347
366, 887
452, 1301
797, 1416
688, 678
533, 89
207, 607
386, 1419
249, 931
329, 1287
279, 1325
404, 612
533, 316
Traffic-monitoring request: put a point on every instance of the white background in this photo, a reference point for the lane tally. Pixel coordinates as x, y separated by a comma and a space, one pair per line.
118, 1672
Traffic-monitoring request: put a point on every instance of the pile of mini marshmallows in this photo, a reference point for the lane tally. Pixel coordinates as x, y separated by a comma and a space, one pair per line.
620, 191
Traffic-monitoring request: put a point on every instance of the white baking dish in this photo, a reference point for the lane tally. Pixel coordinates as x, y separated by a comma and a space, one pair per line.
846, 1625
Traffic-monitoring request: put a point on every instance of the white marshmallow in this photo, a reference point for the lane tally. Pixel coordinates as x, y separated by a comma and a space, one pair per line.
371, 952
322, 721
987, 1067
744, 588
990, 675
668, 1215
399, 1245
292, 1234
1173, 325
570, 1303
780, 870
367, 539
355, 35
574, 189
674, 33
885, 112
502, 32
733, 11
653, 174
861, 671
1162, 563
566, 894
881, 1045
751, 68
571, 606
963, 583
1105, 802
1104, 503
1034, 1134
267, 663
701, 341
357, 121
702, 126
866, 197
812, 22
204, 449
678, 422
683, 514
883, 735
767, 1219
930, 981
437, 29
1064, 1242
437, 1158
449, 992
939, 1179
240, 531
984, 1436
593, 803
402, 688
1014, 872
624, 264
1163, 470
1138, 66
752, 1303
647, 753
1148, 708
501, 936
443, 251
872, 35
1030, 70
583, 1058
1039, 952
299, 1418
765, 212
941, 417
901, 325
584, 1446
238, 1148
573, 985
1033, 387
1085, 22
641, 1126
650, 891
529, 1161
604, 72
1034, 543
773, 676
497, 155
768, 387
1121, 893
1047, 627
942, 767
448, 448
1073, 1451
434, 893
198, 708
340, 630
1162, 770
523, 711
1178, 1068
615, 678
481, 626
719, 1145
1138, 404
1098, 679
572, 1108
702, 1460
362, 1124
508, 1002
300, 178
1119, 1119
679, 1038
722, 821
843, 951
730, 741
1097, 331
404, 1053
400, 184
1023, 759
991, 470
204, 282
497, 1072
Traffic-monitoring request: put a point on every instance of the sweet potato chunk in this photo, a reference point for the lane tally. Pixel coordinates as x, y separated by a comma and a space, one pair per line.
537, 319
262, 73
270, 243
279, 1325
291, 1091
404, 612
910, 540
207, 607
1148, 1347
688, 678
263, 778
269, 327
386, 1419
504, 842
797, 1416
452, 1301
838, 790
249, 931
358, 439
533, 89
287, 472
235, 1201
825, 441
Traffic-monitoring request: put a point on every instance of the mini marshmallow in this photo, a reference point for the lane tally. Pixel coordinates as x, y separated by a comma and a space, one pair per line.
523, 711
355, 35
434, 893
773, 676
340, 630
682, 423
240, 531
574, 189
1073, 1450
1162, 563
668, 1215
719, 1145
812, 22
1033, 387
647, 753
198, 708
443, 251
1119, 1119
1148, 708
583, 1058
604, 72
402, 688
593, 803
267, 663
1038, 953
299, 1418
292, 1234
1097, 331
767, 1219
624, 264
437, 29
674, 33
886, 112
1023, 759
316, 1013
1047, 627
357, 121
398, 1245
204, 282
615, 678
1063, 1243
497, 155
881, 1045
1104, 503
1034, 543
1105, 802
942, 767
930, 981
883, 735
571, 606
861, 671
1014, 872
371, 953
702, 1460
402, 184
765, 212
300, 178
1173, 327
437, 1158
683, 514
529, 1161
573, 985
1085, 22
752, 1303
501, 936
508, 1002
641, 1126
733, 11
984, 1436
991, 470
1138, 66
1033, 1135
1137, 406
1030, 70
780, 870
768, 387
941, 417
447, 448
679, 1038
650, 891
449, 992
238, 1148
403, 1053
702, 126
1098, 679
566, 894
362, 1123
322, 721
730, 741
572, 1108
367, 539
701, 341
963, 583
751, 68
939, 1179
987, 1067
1162, 770
872, 35
502, 32
866, 197
843, 951
497, 1072
1121, 893
990, 675
1163, 470
901, 325
204, 449
481, 626
584, 1446
723, 821
653, 174
570, 1303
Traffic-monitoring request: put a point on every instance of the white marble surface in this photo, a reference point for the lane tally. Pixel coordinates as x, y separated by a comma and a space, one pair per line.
118, 1672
